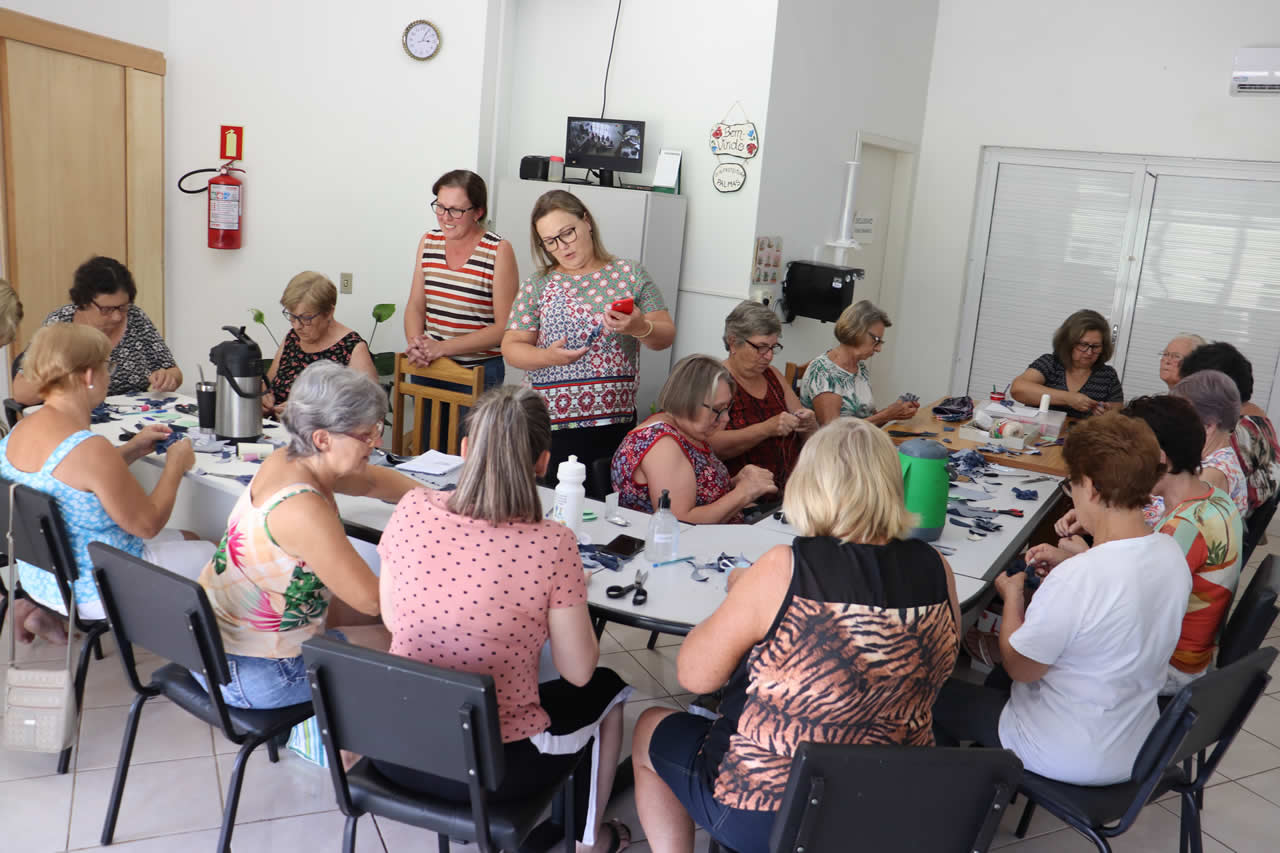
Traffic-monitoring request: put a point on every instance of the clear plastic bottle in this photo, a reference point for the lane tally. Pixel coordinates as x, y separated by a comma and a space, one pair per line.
570, 494
664, 531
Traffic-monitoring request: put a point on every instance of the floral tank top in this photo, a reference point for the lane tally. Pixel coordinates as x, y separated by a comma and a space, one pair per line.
712, 476
267, 602
1225, 460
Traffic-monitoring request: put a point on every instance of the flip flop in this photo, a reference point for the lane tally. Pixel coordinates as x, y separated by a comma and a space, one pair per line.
621, 835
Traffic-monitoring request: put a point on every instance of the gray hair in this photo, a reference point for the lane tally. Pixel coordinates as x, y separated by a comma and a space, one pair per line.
1195, 339
331, 397
1214, 396
749, 318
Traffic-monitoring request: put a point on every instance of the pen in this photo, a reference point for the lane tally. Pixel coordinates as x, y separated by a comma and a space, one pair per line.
673, 562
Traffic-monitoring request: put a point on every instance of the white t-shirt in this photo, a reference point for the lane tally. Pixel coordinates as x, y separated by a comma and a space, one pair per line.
1106, 622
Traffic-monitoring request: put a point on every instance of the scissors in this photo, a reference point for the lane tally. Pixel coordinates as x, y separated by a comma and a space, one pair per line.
723, 563
641, 594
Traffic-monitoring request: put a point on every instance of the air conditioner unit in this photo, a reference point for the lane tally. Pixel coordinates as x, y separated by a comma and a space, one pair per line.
1256, 71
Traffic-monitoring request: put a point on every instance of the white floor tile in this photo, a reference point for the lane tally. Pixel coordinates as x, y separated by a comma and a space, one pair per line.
159, 799
402, 838
1264, 784
15, 764
1264, 720
1042, 823
165, 733
293, 786
1249, 755
629, 669
105, 684
608, 645
48, 801
1155, 831
1241, 819
661, 664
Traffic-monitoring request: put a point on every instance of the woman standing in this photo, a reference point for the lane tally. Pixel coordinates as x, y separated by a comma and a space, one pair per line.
464, 279
767, 422
582, 354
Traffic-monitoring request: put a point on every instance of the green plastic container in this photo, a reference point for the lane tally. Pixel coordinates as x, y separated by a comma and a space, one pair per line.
925, 482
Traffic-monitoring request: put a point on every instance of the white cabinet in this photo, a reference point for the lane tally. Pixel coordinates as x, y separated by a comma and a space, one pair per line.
644, 226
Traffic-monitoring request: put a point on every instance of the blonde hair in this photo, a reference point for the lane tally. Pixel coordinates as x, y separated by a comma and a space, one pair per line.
693, 382
507, 430
310, 288
60, 352
848, 484
549, 202
10, 313
857, 320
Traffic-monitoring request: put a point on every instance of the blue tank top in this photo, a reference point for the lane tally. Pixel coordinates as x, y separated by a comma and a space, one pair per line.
85, 518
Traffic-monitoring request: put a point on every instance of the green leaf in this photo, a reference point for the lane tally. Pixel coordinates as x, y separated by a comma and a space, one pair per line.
258, 316
383, 311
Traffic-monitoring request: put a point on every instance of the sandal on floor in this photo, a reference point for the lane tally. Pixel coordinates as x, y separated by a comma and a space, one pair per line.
621, 835
983, 647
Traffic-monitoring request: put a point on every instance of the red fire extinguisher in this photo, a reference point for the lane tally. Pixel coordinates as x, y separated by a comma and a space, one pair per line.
226, 205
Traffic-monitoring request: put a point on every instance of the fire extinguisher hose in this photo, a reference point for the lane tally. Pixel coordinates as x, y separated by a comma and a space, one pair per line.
205, 188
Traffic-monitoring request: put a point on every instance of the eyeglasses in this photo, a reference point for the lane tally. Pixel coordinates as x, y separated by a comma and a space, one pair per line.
564, 238
1175, 357
879, 341
111, 310
300, 319
1083, 347
373, 439
719, 413
761, 349
451, 212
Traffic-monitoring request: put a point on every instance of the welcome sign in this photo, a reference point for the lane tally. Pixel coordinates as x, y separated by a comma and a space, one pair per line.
735, 140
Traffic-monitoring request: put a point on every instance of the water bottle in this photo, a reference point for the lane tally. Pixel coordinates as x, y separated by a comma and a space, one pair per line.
664, 528
570, 494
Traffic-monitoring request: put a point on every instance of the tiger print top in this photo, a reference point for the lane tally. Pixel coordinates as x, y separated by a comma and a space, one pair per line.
861, 645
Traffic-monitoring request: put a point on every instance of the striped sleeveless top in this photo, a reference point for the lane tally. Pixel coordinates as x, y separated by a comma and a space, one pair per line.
459, 301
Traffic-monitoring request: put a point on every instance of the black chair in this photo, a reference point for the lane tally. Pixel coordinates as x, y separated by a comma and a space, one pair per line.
600, 478
433, 720
170, 616
1254, 615
1255, 527
839, 793
40, 539
13, 411
1206, 712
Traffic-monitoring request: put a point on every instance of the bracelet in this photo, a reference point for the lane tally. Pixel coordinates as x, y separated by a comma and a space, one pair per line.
647, 332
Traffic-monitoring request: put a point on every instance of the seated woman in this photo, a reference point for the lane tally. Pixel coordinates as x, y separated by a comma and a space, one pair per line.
1173, 354
767, 423
102, 295
671, 451
1217, 402
309, 300
838, 383
1254, 439
1075, 375
1092, 650
10, 319
885, 607
53, 451
285, 555
528, 587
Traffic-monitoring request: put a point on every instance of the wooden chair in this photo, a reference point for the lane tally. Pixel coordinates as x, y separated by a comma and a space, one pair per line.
403, 386
794, 373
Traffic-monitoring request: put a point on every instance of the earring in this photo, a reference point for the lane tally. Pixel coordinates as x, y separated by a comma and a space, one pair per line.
90, 386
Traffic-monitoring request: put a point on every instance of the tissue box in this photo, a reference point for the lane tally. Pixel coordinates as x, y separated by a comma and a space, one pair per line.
1050, 424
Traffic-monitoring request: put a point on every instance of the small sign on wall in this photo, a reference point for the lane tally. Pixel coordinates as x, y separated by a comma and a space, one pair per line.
231, 142
735, 140
864, 227
729, 177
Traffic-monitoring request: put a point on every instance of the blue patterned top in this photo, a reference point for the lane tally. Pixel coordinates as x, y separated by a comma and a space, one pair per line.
85, 518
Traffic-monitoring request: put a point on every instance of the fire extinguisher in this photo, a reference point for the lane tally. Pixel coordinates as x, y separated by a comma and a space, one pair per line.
226, 205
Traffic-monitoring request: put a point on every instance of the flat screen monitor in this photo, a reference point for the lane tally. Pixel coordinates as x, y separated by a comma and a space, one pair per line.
608, 144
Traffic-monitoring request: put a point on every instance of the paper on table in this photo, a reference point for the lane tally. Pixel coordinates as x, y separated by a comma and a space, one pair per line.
432, 462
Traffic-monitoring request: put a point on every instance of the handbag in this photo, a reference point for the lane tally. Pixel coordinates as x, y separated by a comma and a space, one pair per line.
40, 710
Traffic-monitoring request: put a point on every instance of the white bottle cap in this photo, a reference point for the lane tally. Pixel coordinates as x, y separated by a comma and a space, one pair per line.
1044, 403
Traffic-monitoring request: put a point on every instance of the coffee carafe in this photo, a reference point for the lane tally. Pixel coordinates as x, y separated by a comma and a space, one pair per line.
238, 412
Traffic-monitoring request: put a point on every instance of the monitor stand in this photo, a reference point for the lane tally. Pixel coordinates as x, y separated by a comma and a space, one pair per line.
606, 178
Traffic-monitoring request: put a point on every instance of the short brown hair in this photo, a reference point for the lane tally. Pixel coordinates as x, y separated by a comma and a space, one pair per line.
60, 352
10, 313
470, 183
1119, 454
1074, 328
692, 382
856, 320
310, 288
549, 202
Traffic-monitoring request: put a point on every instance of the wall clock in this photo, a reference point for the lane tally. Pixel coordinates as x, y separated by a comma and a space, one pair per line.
421, 40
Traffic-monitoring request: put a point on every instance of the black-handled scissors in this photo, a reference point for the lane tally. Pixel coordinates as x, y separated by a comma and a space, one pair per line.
641, 595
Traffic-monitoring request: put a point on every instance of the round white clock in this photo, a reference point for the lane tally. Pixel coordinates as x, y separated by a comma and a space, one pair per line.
421, 40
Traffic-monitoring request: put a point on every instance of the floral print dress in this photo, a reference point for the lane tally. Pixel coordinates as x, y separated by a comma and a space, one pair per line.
267, 602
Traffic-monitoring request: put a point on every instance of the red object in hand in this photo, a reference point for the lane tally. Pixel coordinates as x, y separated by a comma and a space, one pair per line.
624, 306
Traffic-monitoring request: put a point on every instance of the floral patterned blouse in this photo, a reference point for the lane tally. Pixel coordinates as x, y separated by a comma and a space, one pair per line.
712, 476
267, 602
293, 360
1254, 441
775, 454
1224, 459
140, 353
824, 376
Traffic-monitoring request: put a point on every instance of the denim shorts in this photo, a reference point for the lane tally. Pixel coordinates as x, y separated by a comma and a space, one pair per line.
262, 683
676, 753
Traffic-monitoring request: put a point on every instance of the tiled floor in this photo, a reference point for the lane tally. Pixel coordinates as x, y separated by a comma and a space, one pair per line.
173, 801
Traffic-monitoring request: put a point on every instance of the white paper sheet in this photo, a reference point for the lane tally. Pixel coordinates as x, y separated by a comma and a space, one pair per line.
433, 463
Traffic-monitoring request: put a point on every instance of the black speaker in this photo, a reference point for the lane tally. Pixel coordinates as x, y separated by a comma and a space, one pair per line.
533, 167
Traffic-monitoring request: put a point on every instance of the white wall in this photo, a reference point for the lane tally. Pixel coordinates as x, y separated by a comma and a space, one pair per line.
141, 22
678, 66
344, 134
1141, 77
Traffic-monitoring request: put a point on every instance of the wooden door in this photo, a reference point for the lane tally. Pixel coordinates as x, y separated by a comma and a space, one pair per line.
65, 171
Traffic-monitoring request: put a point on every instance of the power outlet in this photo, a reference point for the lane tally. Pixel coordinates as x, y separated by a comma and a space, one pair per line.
344, 283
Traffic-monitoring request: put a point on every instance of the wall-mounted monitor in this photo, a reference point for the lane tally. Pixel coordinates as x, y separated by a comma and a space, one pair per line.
607, 144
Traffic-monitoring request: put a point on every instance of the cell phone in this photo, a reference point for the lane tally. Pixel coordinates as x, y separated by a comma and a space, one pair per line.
624, 306
623, 545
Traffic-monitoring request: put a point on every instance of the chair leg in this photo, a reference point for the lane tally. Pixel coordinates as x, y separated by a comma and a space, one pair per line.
442, 843
570, 818
653, 639
349, 835
273, 751
1024, 822
1192, 839
122, 770
233, 795
4, 609
1200, 760
97, 647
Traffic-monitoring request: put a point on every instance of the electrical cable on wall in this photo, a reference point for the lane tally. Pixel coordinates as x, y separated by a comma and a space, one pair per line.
604, 95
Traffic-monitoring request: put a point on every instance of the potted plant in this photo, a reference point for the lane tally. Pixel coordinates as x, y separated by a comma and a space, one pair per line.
261, 320
383, 362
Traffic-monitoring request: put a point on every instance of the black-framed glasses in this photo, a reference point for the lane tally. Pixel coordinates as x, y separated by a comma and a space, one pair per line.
1083, 347
761, 349
300, 319
111, 310
564, 238
719, 413
451, 212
